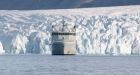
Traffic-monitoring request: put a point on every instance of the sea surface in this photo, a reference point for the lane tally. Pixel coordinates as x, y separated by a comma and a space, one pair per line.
69, 65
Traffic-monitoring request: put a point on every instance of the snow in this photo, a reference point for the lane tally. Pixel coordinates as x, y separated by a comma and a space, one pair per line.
99, 31
68, 65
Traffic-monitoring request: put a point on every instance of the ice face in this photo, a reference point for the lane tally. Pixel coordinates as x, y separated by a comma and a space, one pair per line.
19, 44
39, 43
95, 34
1, 49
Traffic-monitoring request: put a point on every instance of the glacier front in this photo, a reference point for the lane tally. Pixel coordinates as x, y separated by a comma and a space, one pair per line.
99, 31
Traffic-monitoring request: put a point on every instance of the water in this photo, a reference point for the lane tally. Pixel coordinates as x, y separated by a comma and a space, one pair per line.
69, 65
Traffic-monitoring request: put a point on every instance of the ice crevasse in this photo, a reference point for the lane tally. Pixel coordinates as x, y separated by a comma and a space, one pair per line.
95, 35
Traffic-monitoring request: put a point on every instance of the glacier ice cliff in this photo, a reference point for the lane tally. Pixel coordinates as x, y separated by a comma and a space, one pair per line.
18, 44
1, 49
39, 43
95, 34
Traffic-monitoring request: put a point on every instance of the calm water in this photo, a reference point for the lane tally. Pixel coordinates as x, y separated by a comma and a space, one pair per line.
69, 65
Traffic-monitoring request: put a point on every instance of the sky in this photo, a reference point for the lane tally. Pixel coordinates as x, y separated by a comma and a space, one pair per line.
61, 4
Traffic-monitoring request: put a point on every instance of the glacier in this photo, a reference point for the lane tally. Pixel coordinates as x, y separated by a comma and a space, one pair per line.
99, 31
